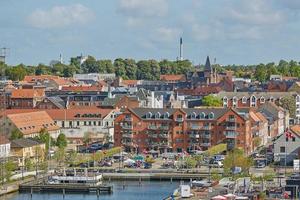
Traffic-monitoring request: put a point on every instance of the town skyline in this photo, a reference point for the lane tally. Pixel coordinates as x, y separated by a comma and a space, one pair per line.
235, 32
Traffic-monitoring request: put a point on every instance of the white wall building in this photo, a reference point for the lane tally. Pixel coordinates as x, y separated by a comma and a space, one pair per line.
4, 147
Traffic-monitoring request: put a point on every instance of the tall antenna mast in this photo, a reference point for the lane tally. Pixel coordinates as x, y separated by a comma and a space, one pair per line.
181, 49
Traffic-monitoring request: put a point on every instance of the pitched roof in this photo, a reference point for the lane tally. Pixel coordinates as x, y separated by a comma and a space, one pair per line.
4, 140
77, 88
28, 93
296, 129
33, 79
207, 66
78, 113
266, 95
57, 101
24, 142
32, 122
130, 82
172, 77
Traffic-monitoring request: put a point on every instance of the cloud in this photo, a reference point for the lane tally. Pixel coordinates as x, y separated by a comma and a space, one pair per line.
143, 8
60, 16
167, 34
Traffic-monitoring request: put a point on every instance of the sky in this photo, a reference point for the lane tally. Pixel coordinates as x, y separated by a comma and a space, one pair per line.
232, 31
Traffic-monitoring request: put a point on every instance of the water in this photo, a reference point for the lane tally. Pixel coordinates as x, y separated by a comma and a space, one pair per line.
133, 191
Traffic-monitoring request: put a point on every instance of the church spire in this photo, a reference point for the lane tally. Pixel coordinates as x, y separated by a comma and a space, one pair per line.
207, 66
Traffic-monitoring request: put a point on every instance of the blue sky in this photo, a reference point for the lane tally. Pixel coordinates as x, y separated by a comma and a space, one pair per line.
233, 31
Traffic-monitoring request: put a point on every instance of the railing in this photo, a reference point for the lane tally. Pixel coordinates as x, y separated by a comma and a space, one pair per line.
127, 126
163, 135
230, 134
230, 127
179, 119
195, 127
164, 127
205, 144
206, 127
231, 119
152, 127
126, 135
128, 119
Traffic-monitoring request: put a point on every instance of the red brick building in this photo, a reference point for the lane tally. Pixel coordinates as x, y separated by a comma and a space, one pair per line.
179, 130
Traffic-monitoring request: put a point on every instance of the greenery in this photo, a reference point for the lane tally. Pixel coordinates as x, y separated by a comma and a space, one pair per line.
289, 103
237, 158
16, 134
217, 149
7, 169
28, 164
86, 138
257, 142
44, 137
211, 100
190, 162
61, 141
60, 156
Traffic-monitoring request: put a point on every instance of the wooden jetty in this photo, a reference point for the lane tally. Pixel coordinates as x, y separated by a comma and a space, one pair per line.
65, 188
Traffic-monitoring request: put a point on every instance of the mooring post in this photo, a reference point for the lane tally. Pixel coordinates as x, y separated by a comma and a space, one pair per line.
109, 179
171, 180
64, 192
123, 184
31, 192
140, 180
98, 193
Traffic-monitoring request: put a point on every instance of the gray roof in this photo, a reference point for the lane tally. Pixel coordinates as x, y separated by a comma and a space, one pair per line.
217, 112
24, 142
207, 66
56, 100
266, 95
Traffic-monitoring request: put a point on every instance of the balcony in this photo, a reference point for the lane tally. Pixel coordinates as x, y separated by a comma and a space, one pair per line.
127, 119
179, 119
195, 127
127, 126
230, 134
205, 144
164, 127
206, 136
163, 135
152, 127
230, 128
231, 119
205, 127
127, 135
194, 135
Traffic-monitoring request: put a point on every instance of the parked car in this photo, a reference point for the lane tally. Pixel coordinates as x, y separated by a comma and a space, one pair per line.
218, 164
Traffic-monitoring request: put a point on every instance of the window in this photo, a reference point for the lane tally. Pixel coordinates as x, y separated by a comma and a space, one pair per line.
234, 101
202, 115
194, 115
166, 115
78, 123
294, 139
253, 101
149, 115
262, 99
225, 101
244, 100
282, 149
157, 115
211, 115
95, 123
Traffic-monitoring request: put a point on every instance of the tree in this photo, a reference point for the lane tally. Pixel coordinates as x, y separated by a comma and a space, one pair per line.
130, 68
190, 162
16, 134
61, 141
257, 142
90, 65
261, 73
60, 156
211, 100
44, 137
71, 158
9, 167
28, 164
120, 70
236, 158
289, 103
16, 73
86, 138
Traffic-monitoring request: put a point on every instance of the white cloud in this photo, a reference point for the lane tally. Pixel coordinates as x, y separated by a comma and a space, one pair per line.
167, 34
143, 8
60, 16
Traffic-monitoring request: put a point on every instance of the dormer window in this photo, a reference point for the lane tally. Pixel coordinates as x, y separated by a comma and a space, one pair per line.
271, 99
193, 115
211, 115
244, 100
225, 101
234, 101
253, 101
297, 98
157, 115
202, 115
149, 115
166, 115
262, 99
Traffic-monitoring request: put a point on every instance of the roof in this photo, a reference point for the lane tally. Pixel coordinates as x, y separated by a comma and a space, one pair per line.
172, 77
32, 122
296, 129
24, 142
4, 140
266, 95
28, 93
78, 113
31, 79
76, 88
207, 66
142, 112
130, 82
57, 101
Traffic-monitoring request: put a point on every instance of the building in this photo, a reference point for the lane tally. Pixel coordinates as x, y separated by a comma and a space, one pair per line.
172, 78
74, 123
179, 130
54, 102
28, 149
26, 98
94, 77
286, 148
31, 123
4, 147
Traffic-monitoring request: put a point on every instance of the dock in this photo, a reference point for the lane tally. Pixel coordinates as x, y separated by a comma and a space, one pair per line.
65, 188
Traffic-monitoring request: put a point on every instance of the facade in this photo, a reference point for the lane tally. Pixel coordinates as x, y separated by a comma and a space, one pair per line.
26, 98
179, 130
31, 123
94, 77
4, 147
26, 148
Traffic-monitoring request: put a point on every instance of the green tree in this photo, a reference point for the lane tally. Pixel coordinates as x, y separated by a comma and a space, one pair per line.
120, 69
43, 69
69, 71
60, 156
237, 158
211, 100
16, 134
16, 73
289, 103
28, 164
261, 73
71, 158
190, 162
166, 66
86, 138
257, 142
90, 65
61, 141
105, 66
9, 167
130, 68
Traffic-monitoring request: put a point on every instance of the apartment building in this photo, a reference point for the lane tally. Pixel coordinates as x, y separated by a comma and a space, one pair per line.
26, 98
179, 130
4, 146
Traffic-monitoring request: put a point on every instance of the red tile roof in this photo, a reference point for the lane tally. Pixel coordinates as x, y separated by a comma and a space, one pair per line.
130, 82
32, 122
78, 88
28, 93
172, 77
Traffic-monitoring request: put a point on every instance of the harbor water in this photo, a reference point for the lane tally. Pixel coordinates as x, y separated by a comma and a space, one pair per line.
133, 190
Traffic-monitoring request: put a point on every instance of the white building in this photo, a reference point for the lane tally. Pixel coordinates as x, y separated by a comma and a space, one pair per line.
95, 77
4, 147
